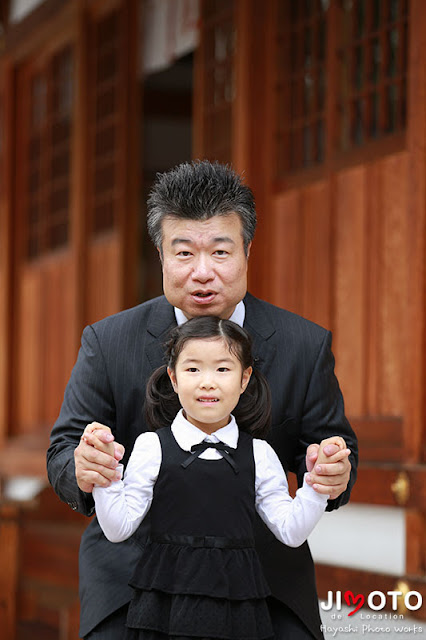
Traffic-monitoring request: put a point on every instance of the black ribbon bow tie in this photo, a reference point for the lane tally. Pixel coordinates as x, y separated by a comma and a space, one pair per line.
225, 450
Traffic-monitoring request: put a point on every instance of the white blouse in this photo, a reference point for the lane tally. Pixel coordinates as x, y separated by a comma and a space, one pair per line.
121, 507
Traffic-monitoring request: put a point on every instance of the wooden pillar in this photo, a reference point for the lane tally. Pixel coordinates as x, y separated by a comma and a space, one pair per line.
6, 123
416, 230
9, 558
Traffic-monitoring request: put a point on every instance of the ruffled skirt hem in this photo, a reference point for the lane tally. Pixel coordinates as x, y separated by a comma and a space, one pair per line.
155, 615
235, 574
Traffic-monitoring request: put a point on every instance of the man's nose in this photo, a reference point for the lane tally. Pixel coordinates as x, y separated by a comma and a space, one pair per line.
202, 269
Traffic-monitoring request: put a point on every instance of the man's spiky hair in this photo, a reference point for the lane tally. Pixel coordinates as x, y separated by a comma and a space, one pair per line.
200, 190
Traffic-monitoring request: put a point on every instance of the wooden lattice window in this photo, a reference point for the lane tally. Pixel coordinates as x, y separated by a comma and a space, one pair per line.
301, 84
106, 71
373, 70
49, 155
220, 42
365, 50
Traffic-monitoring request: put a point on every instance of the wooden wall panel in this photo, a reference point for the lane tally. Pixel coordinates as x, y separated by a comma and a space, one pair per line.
4, 256
350, 262
60, 321
339, 257
103, 286
9, 551
416, 231
285, 257
393, 290
317, 283
45, 316
30, 348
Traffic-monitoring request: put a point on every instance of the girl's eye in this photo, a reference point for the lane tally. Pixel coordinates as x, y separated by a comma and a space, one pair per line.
192, 369
223, 369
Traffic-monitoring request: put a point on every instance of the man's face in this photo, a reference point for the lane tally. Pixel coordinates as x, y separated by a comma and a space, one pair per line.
204, 265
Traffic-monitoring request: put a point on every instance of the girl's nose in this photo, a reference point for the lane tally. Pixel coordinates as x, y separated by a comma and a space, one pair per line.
208, 382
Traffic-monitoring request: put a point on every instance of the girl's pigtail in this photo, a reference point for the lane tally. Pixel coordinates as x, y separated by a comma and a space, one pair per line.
161, 402
253, 412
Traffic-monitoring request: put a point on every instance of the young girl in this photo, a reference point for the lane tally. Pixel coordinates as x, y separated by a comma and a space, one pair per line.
203, 480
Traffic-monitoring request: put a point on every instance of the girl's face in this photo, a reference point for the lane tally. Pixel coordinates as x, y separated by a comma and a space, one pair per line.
209, 380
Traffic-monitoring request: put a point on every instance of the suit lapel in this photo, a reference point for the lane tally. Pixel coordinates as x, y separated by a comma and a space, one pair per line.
261, 328
161, 320
257, 321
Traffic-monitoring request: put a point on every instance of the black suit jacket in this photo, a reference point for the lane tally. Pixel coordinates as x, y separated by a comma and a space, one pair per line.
107, 384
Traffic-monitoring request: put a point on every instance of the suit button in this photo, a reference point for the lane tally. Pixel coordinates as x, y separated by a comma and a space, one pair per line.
73, 505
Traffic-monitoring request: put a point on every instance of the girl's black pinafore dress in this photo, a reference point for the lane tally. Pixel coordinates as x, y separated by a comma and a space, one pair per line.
199, 575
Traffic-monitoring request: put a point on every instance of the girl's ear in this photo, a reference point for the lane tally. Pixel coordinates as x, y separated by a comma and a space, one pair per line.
172, 377
246, 378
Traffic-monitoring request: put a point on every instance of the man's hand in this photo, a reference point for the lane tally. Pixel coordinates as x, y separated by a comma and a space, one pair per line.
328, 466
96, 457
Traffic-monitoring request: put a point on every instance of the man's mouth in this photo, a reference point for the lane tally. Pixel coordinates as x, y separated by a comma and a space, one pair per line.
203, 295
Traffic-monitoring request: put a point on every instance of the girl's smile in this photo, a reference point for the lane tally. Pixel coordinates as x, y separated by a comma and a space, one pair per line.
209, 380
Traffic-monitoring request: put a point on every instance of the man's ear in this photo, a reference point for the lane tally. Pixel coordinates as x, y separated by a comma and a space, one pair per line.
172, 377
248, 249
160, 253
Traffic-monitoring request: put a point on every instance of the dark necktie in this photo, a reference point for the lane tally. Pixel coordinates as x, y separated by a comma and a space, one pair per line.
225, 450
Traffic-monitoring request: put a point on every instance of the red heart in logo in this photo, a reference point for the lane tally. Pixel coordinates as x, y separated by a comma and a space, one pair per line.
350, 599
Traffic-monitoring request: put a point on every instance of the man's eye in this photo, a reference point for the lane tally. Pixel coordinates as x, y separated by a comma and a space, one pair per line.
184, 254
221, 252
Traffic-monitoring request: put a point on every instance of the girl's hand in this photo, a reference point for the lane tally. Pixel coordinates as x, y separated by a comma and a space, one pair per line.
100, 437
331, 455
328, 466
96, 457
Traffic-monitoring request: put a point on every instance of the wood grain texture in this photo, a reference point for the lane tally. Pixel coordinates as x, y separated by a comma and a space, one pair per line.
350, 287
317, 257
415, 436
391, 255
102, 278
286, 252
375, 480
5, 247
9, 554
380, 438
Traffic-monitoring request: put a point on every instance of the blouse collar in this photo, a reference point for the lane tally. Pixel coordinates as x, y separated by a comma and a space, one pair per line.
187, 434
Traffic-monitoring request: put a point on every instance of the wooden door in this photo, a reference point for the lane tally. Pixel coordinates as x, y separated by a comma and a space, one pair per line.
328, 125
75, 199
68, 256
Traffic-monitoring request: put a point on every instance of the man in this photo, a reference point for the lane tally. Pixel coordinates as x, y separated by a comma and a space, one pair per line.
201, 218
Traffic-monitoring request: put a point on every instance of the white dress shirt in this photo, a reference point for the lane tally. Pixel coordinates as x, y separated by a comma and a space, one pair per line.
121, 507
238, 315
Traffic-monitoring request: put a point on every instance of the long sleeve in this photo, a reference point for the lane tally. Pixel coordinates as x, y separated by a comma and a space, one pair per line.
88, 397
290, 520
324, 416
121, 507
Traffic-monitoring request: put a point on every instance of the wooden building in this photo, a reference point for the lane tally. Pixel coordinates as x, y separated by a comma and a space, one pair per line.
322, 104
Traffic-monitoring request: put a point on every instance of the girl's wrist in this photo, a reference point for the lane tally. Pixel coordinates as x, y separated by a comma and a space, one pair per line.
310, 492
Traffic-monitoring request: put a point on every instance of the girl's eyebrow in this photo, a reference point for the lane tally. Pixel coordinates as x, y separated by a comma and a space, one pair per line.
195, 361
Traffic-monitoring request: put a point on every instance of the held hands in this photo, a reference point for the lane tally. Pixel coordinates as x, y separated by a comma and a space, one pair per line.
328, 466
96, 457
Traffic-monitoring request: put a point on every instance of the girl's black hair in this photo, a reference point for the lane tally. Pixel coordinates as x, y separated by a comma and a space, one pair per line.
253, 411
